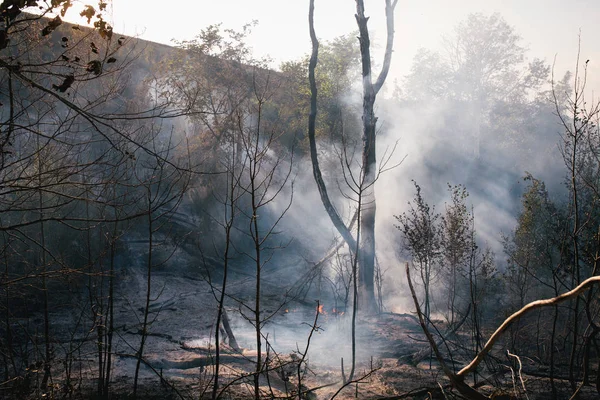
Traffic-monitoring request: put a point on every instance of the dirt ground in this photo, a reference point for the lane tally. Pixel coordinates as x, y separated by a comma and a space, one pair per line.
179, 352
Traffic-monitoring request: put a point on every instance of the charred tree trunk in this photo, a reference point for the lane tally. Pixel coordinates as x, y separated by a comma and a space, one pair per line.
144, 330
369, 160
369, 165
43, 261
366, 254
222, 318
111, 310
312, 117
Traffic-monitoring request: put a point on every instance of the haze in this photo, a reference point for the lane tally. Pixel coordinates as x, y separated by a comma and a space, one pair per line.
215, 216
548, 27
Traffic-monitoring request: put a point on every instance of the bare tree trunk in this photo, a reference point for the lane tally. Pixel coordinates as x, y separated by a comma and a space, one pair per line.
576, 277
229, 211
369, 167
140, 352
355, 295
221, 314
312, 117
111, 313
48, 350
254, 165
369, 161
457, 380
552, 339
7, 316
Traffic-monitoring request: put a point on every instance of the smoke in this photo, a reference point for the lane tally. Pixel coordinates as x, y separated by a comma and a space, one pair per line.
439, 143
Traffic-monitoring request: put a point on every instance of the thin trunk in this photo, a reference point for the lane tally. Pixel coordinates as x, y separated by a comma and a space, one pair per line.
456, 379
253, 169
453, 292
257, 320
552, 338
476, 337
9, 334
577, 277
576, 131
230, 336
100, 331
148, 288
597, 384
221, 314
355, 297
312, 117
48, 350
111, 313
427, 291
218, 324
94, 304
11, 122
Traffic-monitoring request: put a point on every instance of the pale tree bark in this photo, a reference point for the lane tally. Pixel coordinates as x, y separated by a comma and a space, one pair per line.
369, 160
366, 253
458, 379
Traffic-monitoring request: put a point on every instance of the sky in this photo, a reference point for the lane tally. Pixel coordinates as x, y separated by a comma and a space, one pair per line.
549, 28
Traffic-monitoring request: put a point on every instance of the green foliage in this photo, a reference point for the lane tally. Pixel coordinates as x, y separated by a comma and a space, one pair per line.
487, 91
444, 250
456, 229
482, 61
225, 44
419, 228
337, 74
533, 250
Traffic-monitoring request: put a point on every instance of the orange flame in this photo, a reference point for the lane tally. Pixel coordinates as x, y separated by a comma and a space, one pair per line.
320, 309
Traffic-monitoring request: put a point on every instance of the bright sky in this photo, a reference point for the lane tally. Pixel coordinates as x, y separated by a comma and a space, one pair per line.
548, 27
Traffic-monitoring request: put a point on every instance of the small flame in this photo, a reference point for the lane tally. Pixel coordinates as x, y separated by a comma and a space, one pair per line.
320, 309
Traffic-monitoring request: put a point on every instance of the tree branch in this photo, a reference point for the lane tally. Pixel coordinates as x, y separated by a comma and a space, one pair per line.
333, 214
585, 285
389, 46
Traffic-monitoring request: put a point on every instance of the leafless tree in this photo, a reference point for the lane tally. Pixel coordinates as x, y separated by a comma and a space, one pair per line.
366, 254
164, 188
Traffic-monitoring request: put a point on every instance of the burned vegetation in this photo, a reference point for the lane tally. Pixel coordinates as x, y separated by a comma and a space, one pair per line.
188, 222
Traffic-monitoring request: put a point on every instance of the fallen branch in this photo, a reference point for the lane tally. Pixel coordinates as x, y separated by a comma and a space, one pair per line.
458, 379
156, 372
528, 307
355, 380
415, 393
306, 279
420, 355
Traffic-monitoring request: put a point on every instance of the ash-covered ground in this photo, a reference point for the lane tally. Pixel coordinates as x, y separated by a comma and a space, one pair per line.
392, 358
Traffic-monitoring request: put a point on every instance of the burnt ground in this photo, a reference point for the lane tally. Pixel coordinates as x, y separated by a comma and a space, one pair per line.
179, 355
